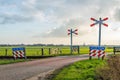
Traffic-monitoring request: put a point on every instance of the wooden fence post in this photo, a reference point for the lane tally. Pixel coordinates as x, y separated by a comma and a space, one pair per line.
78, 50
6, 52
114, 50
90, 57
42, 50
49, 51
25, 53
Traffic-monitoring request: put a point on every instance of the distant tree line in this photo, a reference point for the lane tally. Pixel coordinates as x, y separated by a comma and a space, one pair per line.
51, 45
31, 45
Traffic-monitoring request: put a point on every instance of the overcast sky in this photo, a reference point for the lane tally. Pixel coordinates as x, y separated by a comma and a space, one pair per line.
47, 21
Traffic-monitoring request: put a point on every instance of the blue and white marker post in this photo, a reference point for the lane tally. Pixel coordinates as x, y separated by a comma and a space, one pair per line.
100, 22
70, 31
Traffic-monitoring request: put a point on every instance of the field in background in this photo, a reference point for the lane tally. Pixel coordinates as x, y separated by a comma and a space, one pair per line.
47, 50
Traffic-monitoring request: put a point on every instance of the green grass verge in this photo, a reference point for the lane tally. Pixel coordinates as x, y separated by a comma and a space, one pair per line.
82, 70
10, 61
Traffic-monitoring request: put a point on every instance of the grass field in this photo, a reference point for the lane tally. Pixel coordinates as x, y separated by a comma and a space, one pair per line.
10, 61
82, 70
36, 50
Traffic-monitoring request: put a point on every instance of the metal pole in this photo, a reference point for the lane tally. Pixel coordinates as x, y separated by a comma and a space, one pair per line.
25, 53
99, 40
99, 44
71, 41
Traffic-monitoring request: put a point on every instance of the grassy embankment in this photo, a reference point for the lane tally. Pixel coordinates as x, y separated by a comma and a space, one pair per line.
108, 69
82, 70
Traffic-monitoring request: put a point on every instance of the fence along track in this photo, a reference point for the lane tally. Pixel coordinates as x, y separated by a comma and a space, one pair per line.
38, 51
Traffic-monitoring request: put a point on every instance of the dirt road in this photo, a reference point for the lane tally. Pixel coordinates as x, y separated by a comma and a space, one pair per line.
26, 70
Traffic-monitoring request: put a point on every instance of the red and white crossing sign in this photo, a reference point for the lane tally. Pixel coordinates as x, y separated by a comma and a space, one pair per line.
70, 31
99, 21
75, 31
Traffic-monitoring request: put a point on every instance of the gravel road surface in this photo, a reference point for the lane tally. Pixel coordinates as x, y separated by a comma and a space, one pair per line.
27, 70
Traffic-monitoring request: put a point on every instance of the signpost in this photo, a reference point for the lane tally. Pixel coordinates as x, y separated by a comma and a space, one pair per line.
70, 32
100, 22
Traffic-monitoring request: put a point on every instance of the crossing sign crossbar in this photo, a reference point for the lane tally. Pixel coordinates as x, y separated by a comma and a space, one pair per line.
99, 21
105, 19
75, 31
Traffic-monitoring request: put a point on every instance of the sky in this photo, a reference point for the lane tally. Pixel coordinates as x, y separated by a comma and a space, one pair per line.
48, 21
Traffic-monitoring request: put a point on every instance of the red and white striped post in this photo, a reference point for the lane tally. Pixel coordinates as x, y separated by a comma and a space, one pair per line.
19, 53
97, 51
70, 31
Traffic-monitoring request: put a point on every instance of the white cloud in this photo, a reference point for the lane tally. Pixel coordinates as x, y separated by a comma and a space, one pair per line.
64, 10
62, 15
83, 10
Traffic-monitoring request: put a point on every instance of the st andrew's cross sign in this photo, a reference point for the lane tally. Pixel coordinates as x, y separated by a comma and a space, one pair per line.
100, 22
